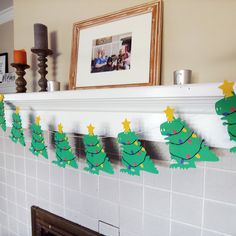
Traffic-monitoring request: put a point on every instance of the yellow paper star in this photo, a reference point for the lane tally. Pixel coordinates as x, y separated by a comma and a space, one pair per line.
90, 129
227, 88
169, 113
1, 97
37, 120
60, 127
126, 125
17, 110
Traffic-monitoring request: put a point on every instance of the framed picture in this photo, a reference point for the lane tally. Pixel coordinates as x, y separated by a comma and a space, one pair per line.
118, 50
3, 64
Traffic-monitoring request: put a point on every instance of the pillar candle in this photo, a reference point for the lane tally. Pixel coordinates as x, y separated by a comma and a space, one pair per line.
20, 56
40, 36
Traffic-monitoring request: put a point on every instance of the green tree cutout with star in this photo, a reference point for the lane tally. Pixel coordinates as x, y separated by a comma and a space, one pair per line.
64, 154
185, 146
96, 157
226, 107
2, 113
38, 146
134, 156
17, 134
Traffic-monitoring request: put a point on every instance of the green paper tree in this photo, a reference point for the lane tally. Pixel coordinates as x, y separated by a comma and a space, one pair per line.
96, 157
2, 113
226, 107
134, 156
17, 134
185, 146
64, 154
37, 144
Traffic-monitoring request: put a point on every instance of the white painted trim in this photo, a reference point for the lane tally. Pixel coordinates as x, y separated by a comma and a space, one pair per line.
6, 15
106, 109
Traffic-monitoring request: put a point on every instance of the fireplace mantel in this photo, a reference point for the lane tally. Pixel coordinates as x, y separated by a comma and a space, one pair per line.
106, 108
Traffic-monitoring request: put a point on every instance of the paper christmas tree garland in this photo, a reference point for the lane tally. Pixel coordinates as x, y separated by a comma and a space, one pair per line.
64, 154
2, 113
134, 156
96, 157
226, 107
37, 144
17, 134
185, 146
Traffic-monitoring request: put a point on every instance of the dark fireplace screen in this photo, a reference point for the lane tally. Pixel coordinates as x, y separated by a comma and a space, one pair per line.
45, 223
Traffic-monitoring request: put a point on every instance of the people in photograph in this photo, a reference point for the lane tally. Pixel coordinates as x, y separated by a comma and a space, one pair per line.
116, 57
101, 60
109, 66
123, 61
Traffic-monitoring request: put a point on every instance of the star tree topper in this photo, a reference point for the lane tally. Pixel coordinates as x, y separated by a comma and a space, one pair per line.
37, 120
60, 128
1, 97
90, 130
17, 110
126, 125
227, 88
169, 114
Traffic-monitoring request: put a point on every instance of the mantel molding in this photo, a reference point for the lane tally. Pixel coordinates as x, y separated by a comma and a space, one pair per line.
106, 108
6, 15
193, 98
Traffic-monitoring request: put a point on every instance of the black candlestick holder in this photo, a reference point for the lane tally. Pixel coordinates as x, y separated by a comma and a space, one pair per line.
42, 58
20, 81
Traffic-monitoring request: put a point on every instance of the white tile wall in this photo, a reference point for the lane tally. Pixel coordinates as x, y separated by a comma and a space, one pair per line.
173, 203
178, 229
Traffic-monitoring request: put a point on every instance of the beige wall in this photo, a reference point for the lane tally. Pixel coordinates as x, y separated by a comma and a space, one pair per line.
199, 35
6, 40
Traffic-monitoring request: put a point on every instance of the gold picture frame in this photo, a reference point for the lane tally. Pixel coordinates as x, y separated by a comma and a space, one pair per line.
121, 49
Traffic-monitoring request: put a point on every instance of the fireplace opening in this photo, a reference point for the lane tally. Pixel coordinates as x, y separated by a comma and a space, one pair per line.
45, 223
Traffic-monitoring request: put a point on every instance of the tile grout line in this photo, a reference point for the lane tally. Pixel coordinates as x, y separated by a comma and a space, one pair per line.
25, 181
171, 196
143, 195
8, 219
64, 193
203, 200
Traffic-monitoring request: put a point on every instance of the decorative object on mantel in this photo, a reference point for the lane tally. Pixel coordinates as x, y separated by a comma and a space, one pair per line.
3, 64
134, 156
20, 63
226, 107
53, 86
2, 113
182, 77
8, 85
37, 144
42, 51
185, 146
64, 154
17, 134
96, 157
122, 53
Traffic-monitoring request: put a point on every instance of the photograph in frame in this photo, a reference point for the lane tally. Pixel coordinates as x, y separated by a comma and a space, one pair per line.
111, 51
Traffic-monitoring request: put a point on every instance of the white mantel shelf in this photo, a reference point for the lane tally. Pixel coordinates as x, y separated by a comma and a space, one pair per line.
144, 106
195, 97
